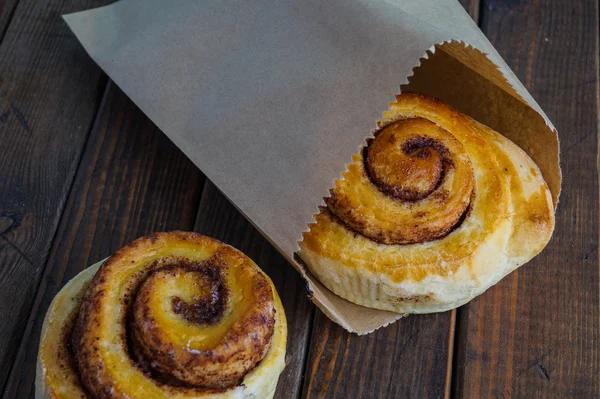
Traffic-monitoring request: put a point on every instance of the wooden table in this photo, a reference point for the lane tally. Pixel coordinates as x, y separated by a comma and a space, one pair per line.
83, 172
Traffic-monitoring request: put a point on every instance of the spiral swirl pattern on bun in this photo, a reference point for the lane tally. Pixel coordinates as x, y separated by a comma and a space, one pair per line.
170, 315
434, 210
423, 179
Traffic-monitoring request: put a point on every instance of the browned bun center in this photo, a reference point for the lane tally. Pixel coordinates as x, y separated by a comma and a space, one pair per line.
405, 168
424, 178
203, 310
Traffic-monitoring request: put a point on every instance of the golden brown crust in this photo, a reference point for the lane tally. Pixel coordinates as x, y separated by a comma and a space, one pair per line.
354, 249
142, 308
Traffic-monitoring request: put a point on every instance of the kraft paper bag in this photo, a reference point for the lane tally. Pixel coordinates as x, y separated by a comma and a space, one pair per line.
271, 99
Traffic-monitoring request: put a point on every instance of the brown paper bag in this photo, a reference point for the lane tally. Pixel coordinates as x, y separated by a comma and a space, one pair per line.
271, 99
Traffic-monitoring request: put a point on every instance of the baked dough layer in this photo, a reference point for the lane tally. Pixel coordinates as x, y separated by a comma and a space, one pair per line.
510, 219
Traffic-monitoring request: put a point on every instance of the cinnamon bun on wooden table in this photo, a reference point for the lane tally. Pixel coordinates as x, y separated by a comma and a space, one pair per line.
435, 209
171, 315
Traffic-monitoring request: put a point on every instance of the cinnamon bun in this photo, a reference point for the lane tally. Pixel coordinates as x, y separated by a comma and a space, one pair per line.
435, 209
171, 315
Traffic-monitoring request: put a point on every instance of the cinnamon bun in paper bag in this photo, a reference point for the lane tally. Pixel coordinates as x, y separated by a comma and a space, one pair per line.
435, 210
272, 107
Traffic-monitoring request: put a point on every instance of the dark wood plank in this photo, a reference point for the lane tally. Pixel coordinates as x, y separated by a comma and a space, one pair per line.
132, 181
536, 334
405, 360
219, 219
410, 358
49, 93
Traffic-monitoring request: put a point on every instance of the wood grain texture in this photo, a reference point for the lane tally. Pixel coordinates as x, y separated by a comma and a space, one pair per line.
49, 93
219, 219
405, 360
411, 358
536, 334
132, 181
